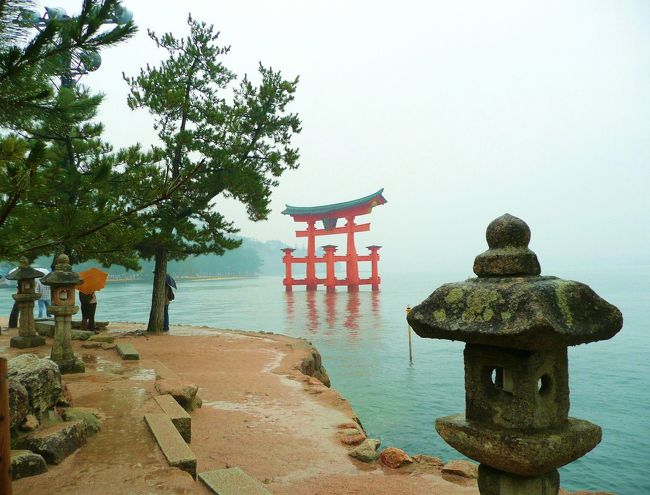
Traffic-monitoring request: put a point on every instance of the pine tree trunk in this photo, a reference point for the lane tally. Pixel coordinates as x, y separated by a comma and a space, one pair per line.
158, 293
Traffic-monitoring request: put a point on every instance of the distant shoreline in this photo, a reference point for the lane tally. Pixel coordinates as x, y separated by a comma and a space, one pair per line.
185, 278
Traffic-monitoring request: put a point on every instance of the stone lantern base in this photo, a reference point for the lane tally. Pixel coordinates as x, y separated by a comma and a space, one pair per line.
26, 341
494, 482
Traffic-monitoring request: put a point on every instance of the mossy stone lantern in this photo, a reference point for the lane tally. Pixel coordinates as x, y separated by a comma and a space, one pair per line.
517, 326
25, 275
63, 281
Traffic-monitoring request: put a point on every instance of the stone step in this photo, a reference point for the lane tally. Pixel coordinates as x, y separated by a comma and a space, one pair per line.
232, 481
180, 419
26, 463
127, 351
172, 445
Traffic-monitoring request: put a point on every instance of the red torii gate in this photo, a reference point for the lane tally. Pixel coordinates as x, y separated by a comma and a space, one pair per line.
329, 215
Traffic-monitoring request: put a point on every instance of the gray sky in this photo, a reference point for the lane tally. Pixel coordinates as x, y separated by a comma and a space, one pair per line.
461, 110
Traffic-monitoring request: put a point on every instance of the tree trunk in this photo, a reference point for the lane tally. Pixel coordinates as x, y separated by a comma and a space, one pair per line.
158, 293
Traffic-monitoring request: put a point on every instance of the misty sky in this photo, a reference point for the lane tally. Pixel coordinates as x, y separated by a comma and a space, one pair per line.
462, 111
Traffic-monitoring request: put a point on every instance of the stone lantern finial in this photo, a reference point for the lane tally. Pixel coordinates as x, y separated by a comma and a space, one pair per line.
63, 263
508, 238
517, 326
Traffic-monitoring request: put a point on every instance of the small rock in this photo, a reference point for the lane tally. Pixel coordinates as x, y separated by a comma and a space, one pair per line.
106, 346
89, 417
30, 423
428, 460
393, 457
108, 339
26, 463
82, 334
91, 345
351, 436
367, 451
465, 469
185, 394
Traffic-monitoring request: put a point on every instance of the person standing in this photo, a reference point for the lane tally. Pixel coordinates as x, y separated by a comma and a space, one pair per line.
88, 307
169, 297
45, 300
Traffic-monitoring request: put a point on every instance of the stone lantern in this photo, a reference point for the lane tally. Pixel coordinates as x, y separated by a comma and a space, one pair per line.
63, 282
25, 297
516, 325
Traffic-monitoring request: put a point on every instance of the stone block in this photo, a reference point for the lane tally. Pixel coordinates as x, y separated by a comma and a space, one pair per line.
101, 338
172, 445
25, 463
184, 393
74, 365
232, 481
82, 334
127, 351
44, 327
25, 342
179, 416
56, 442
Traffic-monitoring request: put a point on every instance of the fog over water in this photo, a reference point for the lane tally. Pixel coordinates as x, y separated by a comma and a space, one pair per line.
461, 110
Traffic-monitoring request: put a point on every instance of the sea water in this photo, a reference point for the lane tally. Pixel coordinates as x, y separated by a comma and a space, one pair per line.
363, 338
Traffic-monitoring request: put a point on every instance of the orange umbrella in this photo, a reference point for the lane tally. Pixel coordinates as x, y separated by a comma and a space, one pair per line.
92, 280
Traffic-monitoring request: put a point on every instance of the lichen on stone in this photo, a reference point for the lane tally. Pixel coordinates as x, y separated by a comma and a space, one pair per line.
454, 295
440, 315
479, 305
562, 290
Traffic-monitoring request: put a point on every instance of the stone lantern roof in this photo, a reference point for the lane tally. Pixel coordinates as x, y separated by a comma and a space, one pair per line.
510, 305
24, 271
63, 274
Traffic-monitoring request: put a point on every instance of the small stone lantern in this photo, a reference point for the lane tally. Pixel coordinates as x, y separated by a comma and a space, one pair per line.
516, 325
25, 297
63, 282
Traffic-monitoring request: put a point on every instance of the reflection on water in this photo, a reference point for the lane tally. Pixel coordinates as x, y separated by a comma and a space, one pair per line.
352, 306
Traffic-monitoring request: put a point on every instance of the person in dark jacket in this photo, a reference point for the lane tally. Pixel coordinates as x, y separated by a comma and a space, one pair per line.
169, 297
88, 307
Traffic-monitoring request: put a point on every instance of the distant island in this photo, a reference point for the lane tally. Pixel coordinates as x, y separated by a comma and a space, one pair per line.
252, 258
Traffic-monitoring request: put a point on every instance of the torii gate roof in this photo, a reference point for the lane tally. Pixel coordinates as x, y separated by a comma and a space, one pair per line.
361, 206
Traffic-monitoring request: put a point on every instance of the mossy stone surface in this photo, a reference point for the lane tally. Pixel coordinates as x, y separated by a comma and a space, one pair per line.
519, 452
530, 313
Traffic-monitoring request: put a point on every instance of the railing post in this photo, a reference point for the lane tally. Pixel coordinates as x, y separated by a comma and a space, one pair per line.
5, 453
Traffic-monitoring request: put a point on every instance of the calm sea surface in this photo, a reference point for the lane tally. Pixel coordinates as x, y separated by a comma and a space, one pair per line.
363, 340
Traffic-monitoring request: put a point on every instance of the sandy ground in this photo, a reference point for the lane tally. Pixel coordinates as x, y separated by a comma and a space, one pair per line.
259, 413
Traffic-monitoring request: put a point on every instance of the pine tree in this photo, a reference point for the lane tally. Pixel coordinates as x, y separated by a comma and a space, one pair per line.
231, 136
